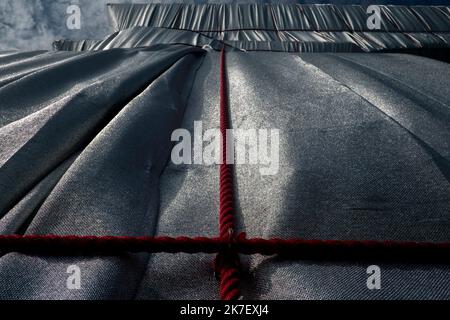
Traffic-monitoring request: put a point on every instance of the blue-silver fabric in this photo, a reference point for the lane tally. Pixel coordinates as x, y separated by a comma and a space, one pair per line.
85, 145
275, 27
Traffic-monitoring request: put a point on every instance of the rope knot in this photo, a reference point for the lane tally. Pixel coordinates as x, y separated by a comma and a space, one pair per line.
228, 258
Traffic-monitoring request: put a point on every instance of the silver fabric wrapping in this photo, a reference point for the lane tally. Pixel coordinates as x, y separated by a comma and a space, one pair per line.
138, 37
364, 154
318, 17
82, 152
364, 148
276, 27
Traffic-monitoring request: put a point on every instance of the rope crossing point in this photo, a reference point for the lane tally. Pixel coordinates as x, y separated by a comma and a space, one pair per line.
227, 245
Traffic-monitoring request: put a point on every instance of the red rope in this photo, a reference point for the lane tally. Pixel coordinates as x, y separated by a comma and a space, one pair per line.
227, 261
88, 245
322, 250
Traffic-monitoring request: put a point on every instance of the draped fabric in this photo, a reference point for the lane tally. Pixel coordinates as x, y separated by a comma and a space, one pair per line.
258, 40
283, 27
138, 37
85, 145
316, 17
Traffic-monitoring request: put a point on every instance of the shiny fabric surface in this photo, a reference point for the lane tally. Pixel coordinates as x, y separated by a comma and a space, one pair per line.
257, 40
139, 37
275, 27
317, 17
364, 154
82, 153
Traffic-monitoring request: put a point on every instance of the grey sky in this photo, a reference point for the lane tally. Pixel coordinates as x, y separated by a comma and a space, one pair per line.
35, 24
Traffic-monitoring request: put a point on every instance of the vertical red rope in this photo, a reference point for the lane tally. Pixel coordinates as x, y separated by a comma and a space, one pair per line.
227, 262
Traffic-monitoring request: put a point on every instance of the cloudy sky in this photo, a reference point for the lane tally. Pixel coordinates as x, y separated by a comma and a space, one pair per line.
35, 24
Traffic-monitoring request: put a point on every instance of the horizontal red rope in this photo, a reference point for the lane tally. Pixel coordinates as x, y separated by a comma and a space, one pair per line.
323, 250
68, 245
